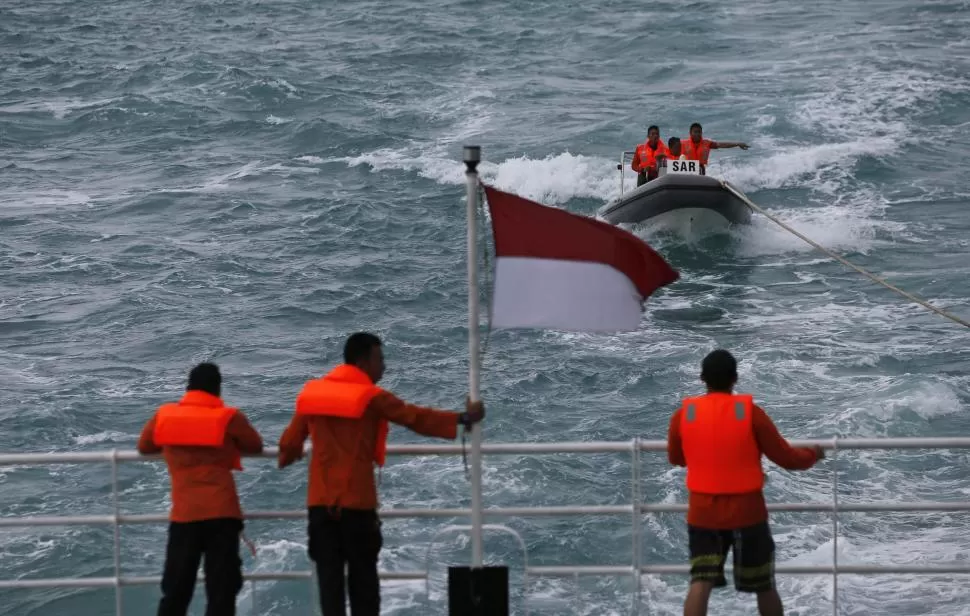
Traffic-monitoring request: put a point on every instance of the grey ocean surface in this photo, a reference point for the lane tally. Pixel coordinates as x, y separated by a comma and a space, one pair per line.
248, 182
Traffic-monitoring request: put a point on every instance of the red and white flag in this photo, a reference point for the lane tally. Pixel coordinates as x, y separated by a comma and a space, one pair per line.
557, 270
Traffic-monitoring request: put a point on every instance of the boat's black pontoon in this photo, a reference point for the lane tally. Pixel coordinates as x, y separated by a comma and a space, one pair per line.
677, 191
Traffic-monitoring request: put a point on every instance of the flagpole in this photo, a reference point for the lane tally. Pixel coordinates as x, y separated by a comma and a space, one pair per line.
473, 155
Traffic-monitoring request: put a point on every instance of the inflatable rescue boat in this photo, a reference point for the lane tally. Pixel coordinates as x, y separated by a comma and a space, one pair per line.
680, 187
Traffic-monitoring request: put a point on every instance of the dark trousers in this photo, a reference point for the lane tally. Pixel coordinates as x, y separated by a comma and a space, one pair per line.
218, 540
351, 539
645, 176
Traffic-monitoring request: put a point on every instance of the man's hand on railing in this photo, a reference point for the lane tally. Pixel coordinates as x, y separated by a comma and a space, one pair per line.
285, 457
819, 452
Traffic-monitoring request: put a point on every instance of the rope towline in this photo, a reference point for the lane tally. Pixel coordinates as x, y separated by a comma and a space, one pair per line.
841, 260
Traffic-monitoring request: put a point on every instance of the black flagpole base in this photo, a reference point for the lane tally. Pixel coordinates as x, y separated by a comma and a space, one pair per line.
479, 591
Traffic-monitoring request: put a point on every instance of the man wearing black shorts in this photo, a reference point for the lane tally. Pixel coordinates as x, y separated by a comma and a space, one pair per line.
754, 556
720, 437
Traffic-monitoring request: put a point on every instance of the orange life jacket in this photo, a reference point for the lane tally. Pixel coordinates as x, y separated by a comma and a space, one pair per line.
647, 157
722, 453
700, 151
344, 392
199, 419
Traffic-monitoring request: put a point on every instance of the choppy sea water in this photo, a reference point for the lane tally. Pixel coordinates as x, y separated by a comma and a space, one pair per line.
249, 182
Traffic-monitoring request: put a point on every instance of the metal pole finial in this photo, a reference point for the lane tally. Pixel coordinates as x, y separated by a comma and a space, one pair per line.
472, 155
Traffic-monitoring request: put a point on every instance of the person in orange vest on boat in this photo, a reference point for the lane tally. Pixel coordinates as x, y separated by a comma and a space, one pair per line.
673, 153
346, 415
201, 440
645, 156
720, 437
696, 147
675, 149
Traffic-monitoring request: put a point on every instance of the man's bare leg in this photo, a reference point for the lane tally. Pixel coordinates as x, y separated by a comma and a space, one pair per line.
697, 598
769, 603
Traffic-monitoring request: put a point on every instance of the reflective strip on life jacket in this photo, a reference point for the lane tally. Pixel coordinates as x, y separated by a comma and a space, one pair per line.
721, 450
344, 392
699, 152
189, 425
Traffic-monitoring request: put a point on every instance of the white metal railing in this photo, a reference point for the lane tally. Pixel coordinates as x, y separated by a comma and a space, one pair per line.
620, 167
635, 509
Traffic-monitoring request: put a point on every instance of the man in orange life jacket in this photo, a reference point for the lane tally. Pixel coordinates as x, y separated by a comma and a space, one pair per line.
673, 153
201, 440
674, 149
645, 156
696, 147
347, 416
720, 438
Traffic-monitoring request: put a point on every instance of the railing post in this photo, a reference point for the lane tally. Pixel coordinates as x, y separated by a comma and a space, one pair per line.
635, 529
622, 160
576, 603
835, 526
117, 530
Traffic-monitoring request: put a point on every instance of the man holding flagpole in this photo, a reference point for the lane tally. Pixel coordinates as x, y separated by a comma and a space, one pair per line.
346, 414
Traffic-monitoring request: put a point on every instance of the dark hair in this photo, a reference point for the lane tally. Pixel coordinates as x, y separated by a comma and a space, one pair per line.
205, 377
695, 124
359, 346
719, 370
653, 127
673, 141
